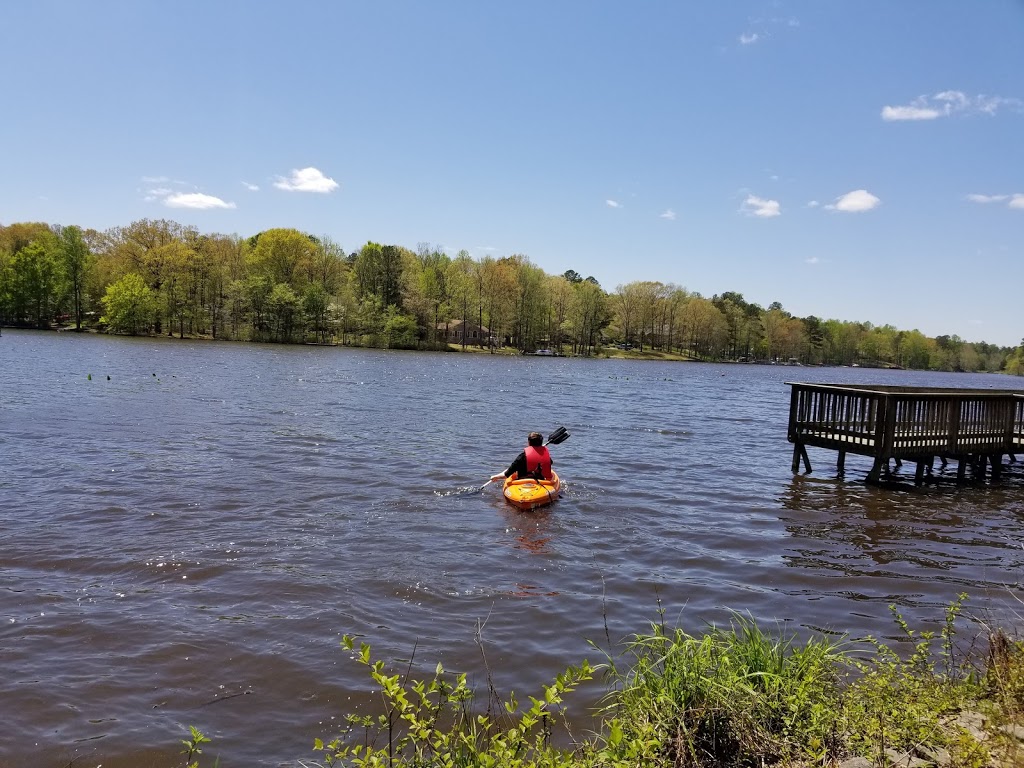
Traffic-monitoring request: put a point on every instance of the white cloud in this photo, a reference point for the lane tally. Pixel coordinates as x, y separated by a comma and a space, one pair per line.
858, 201
1016, 200
763, 28
251, 187
948, 103
989, 105
196, 200
306, 180
813, 204
669, 214
954, 100
157, 193
987, 198
613, 203
757, 206
812, 260
891, 114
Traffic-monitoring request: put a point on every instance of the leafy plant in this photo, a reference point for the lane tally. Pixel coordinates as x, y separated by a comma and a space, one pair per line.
431, 723
192, 747
900, 703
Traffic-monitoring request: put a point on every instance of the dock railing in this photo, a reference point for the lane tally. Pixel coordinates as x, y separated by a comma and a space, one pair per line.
971, 426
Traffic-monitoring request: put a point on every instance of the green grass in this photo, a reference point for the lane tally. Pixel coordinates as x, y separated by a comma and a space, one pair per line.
735, 695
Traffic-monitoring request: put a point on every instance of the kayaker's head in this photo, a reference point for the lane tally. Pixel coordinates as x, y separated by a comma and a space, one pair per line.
536, 439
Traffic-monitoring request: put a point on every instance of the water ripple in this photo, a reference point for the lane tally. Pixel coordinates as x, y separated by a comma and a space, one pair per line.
186, 541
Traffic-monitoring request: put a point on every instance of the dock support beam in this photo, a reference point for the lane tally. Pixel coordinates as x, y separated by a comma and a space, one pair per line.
876, 470
799, 451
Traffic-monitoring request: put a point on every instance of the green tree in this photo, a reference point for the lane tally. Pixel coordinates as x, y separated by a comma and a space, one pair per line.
560, 289
626, 304
236, 302
284, 256
257, 299
572, 276
918, 350
76, 260
704, 327
459, 277
283, 312
399, 330
141, 247
176, 294
38, 280
425, 289
876, 346
129, 306
588, 315
497, 290
316, 306
775, 323
1015, 362
378, 273
531, 304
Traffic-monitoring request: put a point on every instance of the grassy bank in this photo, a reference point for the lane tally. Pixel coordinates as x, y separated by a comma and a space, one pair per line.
732, 696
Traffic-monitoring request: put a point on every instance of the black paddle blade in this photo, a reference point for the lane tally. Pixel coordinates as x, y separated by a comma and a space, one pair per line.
555, 435
558, 436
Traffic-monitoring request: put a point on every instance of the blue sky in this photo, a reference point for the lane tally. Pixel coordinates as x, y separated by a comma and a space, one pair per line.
852, 160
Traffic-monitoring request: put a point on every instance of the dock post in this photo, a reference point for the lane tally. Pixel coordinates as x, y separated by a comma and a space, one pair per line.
800, 452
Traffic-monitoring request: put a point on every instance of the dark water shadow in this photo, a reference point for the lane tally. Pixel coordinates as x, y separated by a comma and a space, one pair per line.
916, 551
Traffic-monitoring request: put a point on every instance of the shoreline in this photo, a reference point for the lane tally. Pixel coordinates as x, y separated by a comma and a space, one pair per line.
609, 353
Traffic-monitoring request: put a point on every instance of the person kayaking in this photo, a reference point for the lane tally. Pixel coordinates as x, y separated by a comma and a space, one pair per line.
534, 461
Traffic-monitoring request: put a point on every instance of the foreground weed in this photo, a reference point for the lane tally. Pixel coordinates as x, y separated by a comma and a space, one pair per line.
1004, 675
428, 723
193, 746
735, 696
901, 703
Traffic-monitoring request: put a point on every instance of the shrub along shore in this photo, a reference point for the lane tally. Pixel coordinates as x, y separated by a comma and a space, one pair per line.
732, 696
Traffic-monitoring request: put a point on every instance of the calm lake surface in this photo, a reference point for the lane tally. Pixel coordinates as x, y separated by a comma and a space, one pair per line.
185, 536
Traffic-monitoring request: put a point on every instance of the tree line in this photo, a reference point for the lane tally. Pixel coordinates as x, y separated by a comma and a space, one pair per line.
287, 286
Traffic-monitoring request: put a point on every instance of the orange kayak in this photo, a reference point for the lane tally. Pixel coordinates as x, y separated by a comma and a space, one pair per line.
529, 493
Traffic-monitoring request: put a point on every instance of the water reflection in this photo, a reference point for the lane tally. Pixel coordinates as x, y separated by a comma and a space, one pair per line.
905, 548
530, 531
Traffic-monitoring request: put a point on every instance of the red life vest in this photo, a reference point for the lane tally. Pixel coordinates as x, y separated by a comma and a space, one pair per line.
538, 462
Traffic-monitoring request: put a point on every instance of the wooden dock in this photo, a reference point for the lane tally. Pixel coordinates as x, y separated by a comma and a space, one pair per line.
977, 428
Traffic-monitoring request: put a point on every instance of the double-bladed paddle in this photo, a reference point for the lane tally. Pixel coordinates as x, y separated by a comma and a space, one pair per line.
560, 435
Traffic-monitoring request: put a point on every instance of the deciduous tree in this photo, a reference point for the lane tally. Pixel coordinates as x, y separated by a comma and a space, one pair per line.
129, 306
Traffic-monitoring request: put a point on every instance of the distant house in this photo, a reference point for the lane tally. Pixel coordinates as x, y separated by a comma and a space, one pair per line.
458, 332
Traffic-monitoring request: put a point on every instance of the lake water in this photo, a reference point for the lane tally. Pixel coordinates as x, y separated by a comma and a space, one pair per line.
185, 536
